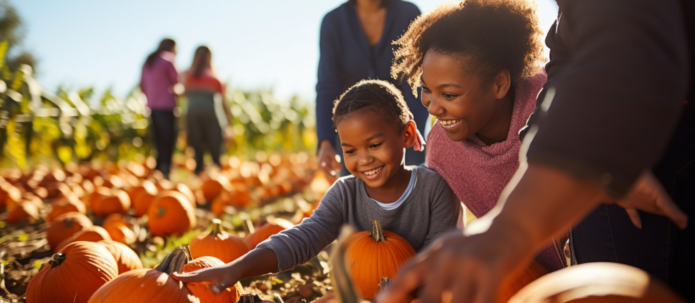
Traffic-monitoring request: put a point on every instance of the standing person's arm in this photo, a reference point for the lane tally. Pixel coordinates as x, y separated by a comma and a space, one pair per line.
614, 107
173, 76
327, 90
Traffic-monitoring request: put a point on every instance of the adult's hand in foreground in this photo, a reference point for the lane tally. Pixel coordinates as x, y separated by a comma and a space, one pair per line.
328, 161
649, 196
217, 278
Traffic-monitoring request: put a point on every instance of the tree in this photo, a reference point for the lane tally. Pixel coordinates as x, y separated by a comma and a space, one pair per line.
12, 31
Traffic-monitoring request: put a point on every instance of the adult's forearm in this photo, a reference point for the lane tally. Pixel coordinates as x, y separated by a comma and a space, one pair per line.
542, 202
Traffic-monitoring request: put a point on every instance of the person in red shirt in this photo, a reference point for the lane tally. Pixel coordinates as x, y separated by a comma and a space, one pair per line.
207, 115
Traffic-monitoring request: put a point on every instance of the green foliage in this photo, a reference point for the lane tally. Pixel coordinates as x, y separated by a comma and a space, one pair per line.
38, 127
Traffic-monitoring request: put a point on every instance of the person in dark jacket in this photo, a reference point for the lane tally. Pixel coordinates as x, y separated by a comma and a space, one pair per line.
611, 127
355, 44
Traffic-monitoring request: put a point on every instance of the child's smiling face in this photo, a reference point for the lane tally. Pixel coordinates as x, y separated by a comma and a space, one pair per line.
462, 102
373, 146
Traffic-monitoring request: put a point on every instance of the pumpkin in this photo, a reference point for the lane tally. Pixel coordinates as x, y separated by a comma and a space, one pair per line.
9, 196
596, 283
202, 291
73, 275
106, 201
375, 255
126, 258
186, 191
214, 186
24, 212
142, 197
115, 220
219, 204
65, 226
519, 281
148, 285
218, 244
121, 234
170, 213
69, 204
273, 226
92, 234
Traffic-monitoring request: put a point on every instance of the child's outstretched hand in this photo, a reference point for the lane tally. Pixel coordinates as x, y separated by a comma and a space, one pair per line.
217, 278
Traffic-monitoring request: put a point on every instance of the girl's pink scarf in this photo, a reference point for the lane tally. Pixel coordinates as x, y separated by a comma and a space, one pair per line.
476, 172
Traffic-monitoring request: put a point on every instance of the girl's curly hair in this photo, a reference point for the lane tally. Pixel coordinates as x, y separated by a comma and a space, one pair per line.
493, 34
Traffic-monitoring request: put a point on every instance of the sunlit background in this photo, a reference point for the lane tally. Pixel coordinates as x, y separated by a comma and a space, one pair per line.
255, 44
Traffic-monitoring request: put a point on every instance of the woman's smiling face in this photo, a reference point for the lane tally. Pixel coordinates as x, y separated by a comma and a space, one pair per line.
461, 101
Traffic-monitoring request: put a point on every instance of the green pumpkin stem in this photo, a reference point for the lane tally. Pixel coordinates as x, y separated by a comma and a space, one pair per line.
377, 231
57, 259
175, 261
216, 228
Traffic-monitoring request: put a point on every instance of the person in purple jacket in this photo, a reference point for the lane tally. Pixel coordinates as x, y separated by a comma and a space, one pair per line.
158, 82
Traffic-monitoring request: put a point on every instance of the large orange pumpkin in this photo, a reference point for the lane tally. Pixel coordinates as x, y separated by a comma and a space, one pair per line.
273, 226
218, 244
142, 197
73, 275
69, 204
65, 226
202, 291
24, 212
92, 234
375, 255
597, 283
126, 258
148, 285
106, 201
170, 213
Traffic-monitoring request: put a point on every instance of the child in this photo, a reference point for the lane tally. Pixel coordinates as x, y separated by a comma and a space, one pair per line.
375, 127
477, 64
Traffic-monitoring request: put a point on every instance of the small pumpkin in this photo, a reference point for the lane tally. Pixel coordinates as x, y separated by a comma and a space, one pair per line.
66, 205
186, 191
9, 196
115, 220
64, 226
106, 201
122, 234
142, 197
92, 234
202, 291
170, 214
148, 285
73, 275
597, 283
24, 212
126, 258
273, 226
218, 244
375, 255
214, 186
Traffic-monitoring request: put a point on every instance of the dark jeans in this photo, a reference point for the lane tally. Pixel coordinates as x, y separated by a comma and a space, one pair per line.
164, 133
204, 132
660, 247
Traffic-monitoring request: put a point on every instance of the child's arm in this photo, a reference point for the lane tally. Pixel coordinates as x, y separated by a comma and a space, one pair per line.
255, 263
444, 214
282, 251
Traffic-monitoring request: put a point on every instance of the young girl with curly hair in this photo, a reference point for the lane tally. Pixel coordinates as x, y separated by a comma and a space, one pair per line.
478, 64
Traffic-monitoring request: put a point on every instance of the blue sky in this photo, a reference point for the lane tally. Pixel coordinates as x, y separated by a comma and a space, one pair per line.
255, 44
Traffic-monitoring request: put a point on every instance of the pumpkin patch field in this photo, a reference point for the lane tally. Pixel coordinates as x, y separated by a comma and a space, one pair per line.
66, 232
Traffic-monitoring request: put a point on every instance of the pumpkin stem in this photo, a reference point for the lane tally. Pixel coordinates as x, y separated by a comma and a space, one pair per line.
385, 283
68, 223
377, 231
174, 262
57, 259
161, 211
216, 228
345, 290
